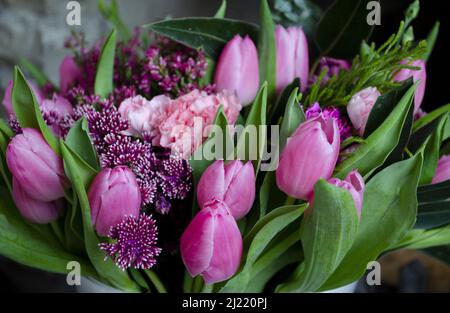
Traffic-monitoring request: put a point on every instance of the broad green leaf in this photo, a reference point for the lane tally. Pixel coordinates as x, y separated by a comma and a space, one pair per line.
79, 141
27, 109
209, 34
222, 10
277, 110
73, 227
431, 40
430, 117
293, 117
434, 192
420, 238
327, 233
5, 129
379, 145
433, 214
80, 176
267, 49
104, 76
39, 77
342, 28
388, 213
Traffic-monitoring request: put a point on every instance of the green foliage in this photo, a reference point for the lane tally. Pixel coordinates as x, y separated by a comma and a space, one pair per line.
103, 84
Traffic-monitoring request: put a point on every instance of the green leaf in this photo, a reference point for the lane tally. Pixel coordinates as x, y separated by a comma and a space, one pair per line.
27, 109
420, 238
342, 28
388, 213
4, 173
245, 149
209, 34
111, 13
327, 233
39, 77
293, 117
379, 145
222, 10
430, 117
277, 110
79, 141
104, 76
5, 129
433, 214
80, 176
266, 50
434, 192
431, 40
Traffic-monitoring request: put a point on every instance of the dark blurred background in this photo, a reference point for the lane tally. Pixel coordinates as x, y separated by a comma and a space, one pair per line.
37, 29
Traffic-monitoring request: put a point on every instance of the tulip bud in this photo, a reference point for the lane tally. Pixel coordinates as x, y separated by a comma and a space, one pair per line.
292, 56
113, 195
7, 99
354, 183
442, 172
69, 73
360, 106
309, 155
35, 166
211, 245
421, 75
237, 69
232, 183
33, 210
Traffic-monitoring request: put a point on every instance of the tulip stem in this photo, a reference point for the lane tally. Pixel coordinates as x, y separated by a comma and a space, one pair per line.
58, 232
156, 281
290, 201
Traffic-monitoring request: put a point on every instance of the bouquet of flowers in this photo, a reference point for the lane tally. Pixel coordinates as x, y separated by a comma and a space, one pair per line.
208, 155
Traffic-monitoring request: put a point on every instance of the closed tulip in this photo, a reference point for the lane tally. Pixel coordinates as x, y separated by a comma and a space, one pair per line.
360, 106
354, 183
417, 75
113, 195
211, 245
69, 73
292, 56
33, 210
35, 166
309, 155
232, 183
237, 69
442, 172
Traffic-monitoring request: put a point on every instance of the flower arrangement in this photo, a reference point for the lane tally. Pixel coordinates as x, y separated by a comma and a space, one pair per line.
109, 168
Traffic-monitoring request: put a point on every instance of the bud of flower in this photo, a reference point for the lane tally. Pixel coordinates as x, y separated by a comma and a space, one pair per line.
113, 195
33, 210
421, 75
35, 166
360, 106
211, 245
354, 183
237, 69
69, 73
232, 183
292, 56
310, 154
442, 172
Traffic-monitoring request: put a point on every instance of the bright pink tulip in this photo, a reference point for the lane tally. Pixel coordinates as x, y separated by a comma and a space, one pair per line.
232, 183
7, 100
442, 170
309, 155
211, 245
35, 166
416, 75
360, 106
237, 69
354, 183
292, 56
33, 210
69, 73
113, 195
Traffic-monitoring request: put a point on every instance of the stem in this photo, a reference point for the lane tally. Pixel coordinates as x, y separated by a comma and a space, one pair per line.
58, 232
290, 201
156, 281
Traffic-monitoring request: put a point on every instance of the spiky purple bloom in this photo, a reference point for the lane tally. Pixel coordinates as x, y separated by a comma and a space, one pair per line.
134, 245
14, 124
331, 112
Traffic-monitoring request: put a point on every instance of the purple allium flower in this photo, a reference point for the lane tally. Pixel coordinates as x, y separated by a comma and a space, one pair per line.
135, 243
330, 112
14, 124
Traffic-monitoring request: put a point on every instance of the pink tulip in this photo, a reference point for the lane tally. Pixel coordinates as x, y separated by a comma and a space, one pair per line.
33, 210
7, 99
354, 183
35, 166
232, 183
237, 69
113, 195
69, 73
309, 155
360, 106
211, 245
421, 75
442, 172
292, 56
